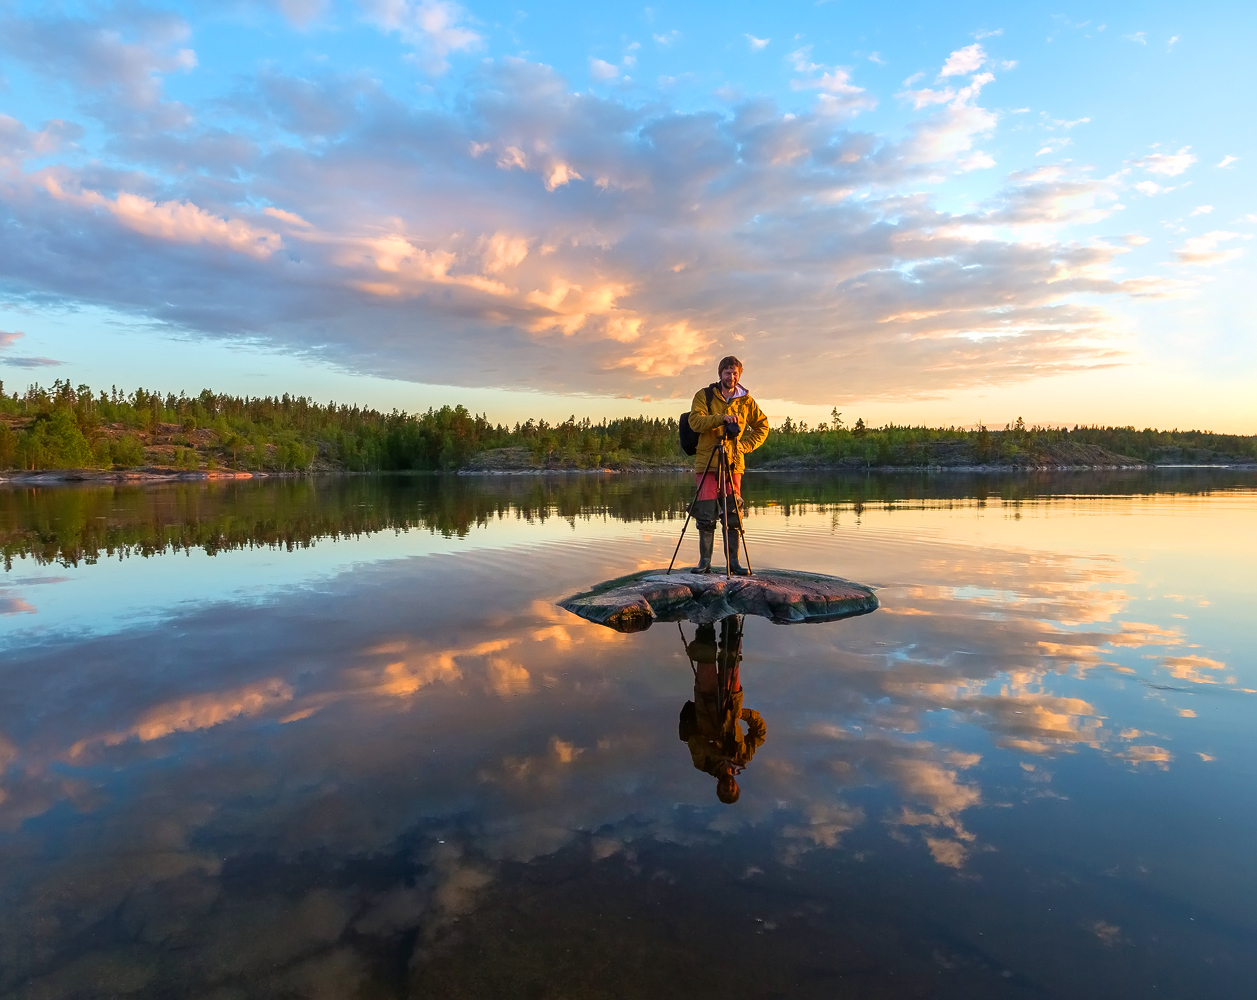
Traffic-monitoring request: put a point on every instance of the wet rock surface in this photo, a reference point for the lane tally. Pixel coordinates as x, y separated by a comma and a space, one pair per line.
633, 603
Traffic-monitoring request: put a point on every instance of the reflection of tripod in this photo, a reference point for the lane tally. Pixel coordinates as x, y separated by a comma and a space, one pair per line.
724, 488
727, 656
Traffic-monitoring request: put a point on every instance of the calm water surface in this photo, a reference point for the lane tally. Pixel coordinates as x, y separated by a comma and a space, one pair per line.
298, 739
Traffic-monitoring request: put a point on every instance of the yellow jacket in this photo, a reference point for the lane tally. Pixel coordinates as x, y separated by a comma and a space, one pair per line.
709, 424
716, 737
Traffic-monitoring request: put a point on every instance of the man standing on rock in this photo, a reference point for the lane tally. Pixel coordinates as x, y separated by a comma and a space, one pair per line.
723, 403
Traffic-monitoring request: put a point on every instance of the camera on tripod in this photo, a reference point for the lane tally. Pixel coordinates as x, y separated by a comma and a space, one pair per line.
733, 429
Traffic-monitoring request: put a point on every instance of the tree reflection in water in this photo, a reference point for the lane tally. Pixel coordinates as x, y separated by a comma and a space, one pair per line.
72, 524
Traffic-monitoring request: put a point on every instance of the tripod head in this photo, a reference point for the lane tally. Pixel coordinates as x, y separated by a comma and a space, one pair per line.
732, 430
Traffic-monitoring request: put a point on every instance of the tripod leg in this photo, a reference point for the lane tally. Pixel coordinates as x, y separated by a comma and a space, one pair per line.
724, 507
689, 512
722, 670
686, 646
737, 505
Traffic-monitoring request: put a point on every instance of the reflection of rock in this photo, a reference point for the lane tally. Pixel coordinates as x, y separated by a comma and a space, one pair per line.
633, 603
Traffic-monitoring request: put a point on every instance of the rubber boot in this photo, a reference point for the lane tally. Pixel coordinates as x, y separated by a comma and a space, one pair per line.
706, 543
735, 546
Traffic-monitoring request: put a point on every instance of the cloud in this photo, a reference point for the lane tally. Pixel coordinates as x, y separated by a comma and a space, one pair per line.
1052, 195
7, 340
433, 241
29, 362
503, 251
432, 26
1138, 36
839, 94
19, 144
177, 222
949, 134
876, 57
1201, 210
1146, 754
301, 12
964, 61
1167, 164
1203, 250
757, 44
195, 712
323, 105
667, 38
12, 606
1227, 161
122, 59
600, 70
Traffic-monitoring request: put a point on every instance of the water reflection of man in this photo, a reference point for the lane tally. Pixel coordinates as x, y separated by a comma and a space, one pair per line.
709, 723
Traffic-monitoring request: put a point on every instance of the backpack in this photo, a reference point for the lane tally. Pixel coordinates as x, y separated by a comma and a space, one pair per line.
689, 438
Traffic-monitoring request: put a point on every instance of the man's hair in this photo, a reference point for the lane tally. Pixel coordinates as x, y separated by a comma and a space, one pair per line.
727, 362
727, 790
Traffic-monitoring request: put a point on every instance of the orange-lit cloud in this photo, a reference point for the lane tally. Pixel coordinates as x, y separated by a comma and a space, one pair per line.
197, 712
174, 221
539, 210
1193, 668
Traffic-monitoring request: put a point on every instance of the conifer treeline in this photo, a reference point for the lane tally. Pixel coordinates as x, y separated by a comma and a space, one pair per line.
73, 427
1017, 444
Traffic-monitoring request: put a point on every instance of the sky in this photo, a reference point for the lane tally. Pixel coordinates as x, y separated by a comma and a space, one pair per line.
936, 214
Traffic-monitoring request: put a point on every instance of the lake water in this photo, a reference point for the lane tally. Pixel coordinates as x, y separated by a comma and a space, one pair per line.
335, 739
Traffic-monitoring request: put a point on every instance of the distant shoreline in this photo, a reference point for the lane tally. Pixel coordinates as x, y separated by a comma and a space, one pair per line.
53, 477
148, 475
859, 470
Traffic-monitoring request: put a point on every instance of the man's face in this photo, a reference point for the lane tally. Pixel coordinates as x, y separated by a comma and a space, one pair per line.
728, 377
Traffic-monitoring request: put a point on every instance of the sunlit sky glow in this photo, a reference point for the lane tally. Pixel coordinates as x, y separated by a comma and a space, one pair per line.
931, 213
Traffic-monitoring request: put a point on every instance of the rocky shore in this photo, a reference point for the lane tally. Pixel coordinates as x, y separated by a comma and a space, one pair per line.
142, 475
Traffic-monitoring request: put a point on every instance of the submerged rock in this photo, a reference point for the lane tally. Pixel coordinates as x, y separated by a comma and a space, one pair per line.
633, 603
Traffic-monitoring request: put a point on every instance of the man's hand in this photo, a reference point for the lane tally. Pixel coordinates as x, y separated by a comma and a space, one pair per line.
730, 418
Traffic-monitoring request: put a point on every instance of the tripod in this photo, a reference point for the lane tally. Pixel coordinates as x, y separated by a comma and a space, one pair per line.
728, 655
724, 479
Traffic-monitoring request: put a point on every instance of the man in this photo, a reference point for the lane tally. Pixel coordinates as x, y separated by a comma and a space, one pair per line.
730, 404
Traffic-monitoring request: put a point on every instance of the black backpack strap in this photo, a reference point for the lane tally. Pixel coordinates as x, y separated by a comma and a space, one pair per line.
710, 390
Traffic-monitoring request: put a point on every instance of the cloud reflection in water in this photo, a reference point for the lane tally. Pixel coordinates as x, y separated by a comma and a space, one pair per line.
442, 714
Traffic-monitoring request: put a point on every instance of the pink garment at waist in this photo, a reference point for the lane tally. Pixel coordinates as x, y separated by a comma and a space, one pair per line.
710, 489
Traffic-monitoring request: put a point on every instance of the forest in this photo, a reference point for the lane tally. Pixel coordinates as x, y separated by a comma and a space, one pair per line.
74, 427
68, 427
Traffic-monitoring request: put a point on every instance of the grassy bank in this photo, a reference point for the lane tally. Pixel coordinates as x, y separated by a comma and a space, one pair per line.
68, 427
